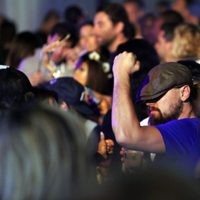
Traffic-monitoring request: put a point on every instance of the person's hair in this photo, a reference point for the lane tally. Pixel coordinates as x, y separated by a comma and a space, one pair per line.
7, 32
15, 88
51, 14
163, 4
23, 45
171, 16
73, 14
139, 3
169, 30
99, 73
86, 23
62, 30
117, 13
186, 43
146, 22
42, 154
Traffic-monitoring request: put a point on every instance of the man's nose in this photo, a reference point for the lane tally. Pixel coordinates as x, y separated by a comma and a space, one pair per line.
150, 104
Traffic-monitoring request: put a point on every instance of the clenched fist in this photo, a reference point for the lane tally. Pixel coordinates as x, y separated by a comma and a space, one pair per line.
125, 63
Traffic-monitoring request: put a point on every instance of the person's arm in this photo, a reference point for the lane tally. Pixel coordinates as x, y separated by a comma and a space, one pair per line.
125, 124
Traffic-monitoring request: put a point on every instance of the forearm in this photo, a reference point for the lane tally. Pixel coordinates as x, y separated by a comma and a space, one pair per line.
124, 120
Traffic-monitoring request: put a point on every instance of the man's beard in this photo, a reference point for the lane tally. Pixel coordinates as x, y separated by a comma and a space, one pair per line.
106, 43
174, 114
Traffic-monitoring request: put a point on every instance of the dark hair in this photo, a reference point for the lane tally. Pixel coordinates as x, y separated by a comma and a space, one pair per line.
23, 45
15, 88
85, 23
62, 30
51, 14
99, 79
73, 14
117, 13
169, 30
7, 32
140, 3
171, 16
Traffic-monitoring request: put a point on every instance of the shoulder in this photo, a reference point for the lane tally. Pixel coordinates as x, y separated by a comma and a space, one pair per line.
181, 133
183, 124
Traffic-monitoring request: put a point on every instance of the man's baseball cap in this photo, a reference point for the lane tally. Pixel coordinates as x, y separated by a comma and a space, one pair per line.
162, 78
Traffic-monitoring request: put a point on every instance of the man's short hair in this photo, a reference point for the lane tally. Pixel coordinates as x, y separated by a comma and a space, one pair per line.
169, 30
117, 13
172, 16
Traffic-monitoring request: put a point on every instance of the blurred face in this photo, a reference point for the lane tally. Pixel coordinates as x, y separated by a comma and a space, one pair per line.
104, 29
59, 53
88, 39
81, 74
162, 46
132, 11
167, 108
148, 29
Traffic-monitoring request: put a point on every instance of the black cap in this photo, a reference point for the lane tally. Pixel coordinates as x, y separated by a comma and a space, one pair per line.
70, 91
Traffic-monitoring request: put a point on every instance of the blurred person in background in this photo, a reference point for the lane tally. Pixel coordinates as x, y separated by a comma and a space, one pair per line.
162, 6
112, 28
7, 33
93, 71
134, 12
183, 7
147, 25
23, 46
168, 16
74, 15
51, 18
165, 40
87, 38
15, 89
51, 61
186, 42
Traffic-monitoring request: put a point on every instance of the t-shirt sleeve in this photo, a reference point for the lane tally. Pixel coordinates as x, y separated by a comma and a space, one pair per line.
179, 136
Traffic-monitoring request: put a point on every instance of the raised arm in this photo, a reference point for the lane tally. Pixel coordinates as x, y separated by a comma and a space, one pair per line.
125, 123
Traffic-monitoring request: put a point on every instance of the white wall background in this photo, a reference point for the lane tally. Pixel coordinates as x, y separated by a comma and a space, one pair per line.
28, 13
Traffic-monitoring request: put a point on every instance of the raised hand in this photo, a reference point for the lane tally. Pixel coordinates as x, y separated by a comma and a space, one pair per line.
125, 63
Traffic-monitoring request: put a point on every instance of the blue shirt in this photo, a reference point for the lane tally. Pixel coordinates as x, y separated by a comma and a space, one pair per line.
182, 143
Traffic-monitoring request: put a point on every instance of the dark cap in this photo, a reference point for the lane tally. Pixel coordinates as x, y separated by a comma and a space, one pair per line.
162, 78
70, 91
67, 89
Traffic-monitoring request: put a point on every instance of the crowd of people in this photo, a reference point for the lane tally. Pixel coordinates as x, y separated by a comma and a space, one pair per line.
102, 108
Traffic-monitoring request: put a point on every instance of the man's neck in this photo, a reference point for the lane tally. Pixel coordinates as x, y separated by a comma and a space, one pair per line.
119, 40
170, 58
187, 112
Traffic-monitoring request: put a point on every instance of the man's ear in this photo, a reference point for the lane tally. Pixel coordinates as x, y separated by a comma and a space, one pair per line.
119, 27
185, 92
